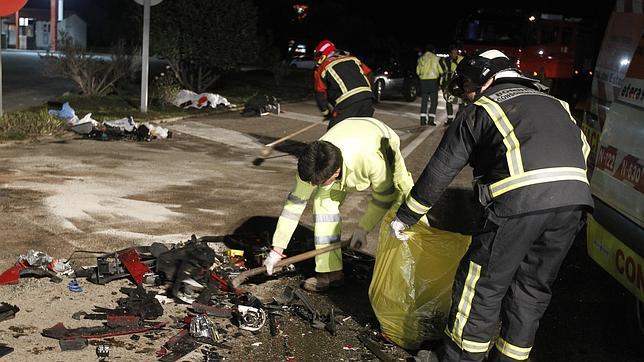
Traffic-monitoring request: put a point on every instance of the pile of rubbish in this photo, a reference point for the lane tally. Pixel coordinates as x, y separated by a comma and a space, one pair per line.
124, 128
199, 273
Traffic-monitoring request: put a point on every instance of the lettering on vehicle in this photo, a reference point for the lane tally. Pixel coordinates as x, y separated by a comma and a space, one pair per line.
606, 158
629, 268
630, 171
632, 92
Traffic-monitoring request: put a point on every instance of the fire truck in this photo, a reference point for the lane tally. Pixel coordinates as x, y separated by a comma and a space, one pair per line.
558, 50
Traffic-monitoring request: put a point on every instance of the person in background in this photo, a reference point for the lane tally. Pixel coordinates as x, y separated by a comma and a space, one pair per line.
356, 154
529, 164
448, 67
428, 70
342, 84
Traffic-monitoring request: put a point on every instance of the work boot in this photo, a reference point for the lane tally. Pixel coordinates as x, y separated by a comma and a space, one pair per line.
431, 122
423, 121
323, 281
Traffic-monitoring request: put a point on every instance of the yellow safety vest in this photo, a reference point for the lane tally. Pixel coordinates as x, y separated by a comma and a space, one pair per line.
428, 66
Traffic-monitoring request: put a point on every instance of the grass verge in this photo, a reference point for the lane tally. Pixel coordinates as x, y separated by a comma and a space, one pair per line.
236, 87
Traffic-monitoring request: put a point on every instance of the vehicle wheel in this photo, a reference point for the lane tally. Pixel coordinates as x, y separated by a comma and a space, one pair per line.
411, 92
378, 88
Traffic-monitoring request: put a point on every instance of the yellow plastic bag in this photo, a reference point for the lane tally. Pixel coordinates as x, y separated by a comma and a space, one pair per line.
412, 282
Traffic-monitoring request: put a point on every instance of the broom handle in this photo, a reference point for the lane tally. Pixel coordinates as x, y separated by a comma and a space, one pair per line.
294, 133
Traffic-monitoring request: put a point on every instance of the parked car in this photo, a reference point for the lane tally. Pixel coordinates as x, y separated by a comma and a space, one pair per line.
394, 78
302, 61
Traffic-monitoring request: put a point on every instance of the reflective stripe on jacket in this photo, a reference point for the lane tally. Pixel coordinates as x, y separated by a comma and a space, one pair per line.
341, 79
371, 158
428, 66
527, 152
448, 65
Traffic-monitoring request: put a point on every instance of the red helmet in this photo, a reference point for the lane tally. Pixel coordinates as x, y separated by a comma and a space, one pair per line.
324, 48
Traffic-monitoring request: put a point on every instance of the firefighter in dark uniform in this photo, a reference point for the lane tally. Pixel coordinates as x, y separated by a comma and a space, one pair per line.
342, 84
448, 65
529, 163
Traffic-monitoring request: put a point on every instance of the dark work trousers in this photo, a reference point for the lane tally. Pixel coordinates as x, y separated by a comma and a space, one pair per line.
363, 108
449, 107
507, 270
428, 91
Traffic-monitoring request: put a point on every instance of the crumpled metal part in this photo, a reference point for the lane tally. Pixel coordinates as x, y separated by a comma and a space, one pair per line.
36, 258
202, 327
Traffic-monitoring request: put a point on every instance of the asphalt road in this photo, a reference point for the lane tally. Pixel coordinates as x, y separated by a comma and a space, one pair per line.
59, 195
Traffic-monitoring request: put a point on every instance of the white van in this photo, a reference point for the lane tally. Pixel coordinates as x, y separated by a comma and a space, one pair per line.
615, 129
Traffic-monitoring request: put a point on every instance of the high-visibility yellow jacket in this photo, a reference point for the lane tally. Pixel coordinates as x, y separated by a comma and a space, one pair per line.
428, 66
370, 158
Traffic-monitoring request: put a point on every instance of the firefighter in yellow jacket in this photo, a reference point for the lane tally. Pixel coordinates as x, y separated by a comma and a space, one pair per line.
356, 154
428, 70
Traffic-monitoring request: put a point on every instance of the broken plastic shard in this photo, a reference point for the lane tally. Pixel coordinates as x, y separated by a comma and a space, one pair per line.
74, 286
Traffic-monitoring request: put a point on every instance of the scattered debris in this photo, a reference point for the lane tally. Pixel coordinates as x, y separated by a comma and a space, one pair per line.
251, 319
7, 311
75, 344
199, 271
73, 286
124, 128
59, 331
261, 105
5, 350
187, 98
34, 263
103, 351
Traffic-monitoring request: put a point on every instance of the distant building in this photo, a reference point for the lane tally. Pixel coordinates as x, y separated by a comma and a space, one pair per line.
35, 29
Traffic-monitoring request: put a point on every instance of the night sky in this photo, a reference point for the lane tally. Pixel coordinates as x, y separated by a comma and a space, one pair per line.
352, 25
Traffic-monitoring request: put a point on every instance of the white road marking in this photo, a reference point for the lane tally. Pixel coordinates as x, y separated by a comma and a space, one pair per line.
407, 150
299, 116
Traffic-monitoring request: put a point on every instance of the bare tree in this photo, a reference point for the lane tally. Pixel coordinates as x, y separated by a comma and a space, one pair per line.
94, 75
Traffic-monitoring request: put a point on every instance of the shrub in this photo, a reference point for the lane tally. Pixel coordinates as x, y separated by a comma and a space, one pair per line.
165, 88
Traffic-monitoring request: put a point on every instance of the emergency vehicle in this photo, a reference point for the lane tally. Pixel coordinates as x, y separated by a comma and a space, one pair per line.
614, 127
556, 49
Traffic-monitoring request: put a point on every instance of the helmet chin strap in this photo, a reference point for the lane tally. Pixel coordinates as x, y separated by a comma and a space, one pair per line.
321, 59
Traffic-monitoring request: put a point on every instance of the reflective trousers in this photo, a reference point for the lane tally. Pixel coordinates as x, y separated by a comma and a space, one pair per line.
508, 272
327, 228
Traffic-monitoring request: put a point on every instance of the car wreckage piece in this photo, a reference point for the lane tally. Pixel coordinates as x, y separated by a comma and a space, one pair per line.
250, 318
59, 331
135, 262
23, 269
7, 311
138, 303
